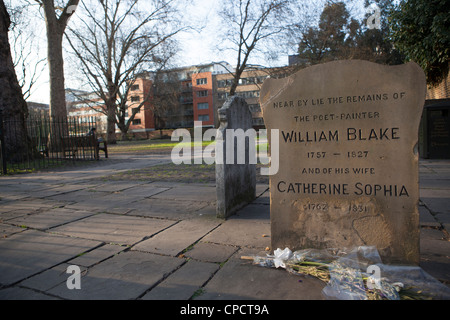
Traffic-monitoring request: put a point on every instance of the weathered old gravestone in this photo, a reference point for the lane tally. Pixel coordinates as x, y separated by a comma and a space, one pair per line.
235, 167
348, 158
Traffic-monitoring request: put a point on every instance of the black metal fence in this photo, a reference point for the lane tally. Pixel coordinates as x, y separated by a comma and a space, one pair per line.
40, 142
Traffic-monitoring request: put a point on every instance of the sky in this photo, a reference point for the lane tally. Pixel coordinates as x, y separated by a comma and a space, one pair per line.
195, 46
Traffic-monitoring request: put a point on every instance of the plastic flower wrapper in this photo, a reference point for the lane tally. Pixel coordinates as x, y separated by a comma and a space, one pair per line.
349, 279
348, 274
345, 283
415, 283
280, 257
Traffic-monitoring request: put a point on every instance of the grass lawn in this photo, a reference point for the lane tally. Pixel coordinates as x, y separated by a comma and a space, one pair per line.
149, 146
158, 146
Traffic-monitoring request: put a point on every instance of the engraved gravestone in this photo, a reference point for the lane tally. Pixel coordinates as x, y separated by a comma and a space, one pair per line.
348, 158
235, 157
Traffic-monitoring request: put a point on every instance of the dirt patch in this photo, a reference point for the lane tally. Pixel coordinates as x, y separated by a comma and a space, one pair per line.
186, 173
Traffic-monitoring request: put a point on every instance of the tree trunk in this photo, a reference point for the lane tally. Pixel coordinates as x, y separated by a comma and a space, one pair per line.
234, 85
56, 69
55, 31
111, 122
12, 105
55, 26
123, 129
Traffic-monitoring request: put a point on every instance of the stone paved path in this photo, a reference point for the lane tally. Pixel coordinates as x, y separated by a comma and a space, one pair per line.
160, 240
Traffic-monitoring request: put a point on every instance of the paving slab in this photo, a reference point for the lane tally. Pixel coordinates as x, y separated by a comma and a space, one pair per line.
191, 192
434, 242
97, 255
80, 196
112, 228
211, 252
18, 293
426, 218
9, 215
264, 198
115, 186
95, 199
50, 278
184, 282
57, 190
172, 241
127, 275
161, 208
27, 253
143, 191
8, 197
48, 219
435, 253
250, 227
242, 280
93, 205
432, 182
7, 230
436, 266
253, 211
30, 204
243, 233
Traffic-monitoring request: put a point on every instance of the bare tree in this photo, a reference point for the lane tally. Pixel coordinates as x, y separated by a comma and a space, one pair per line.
24, 48
171, 101
119, 40
249, 23
57, 14
12, 104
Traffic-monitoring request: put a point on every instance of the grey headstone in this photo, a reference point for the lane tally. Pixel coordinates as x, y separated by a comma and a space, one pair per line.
235, 179
348, 158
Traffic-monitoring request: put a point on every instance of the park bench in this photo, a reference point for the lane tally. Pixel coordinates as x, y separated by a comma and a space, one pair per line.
76, 146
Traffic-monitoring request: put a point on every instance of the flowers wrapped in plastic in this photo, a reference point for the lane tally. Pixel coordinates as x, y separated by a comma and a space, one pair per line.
357, 274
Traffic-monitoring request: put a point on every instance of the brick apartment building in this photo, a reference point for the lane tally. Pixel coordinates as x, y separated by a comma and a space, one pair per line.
85, 106
140, 97
177, 97
200, 91
248, 88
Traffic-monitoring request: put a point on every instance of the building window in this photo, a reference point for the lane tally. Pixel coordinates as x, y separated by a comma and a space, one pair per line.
202, 106
223, 95
202, 93
134, 87
135, 99
136, 121
224, 83
248, 94
254, 107
202, 81
203, 117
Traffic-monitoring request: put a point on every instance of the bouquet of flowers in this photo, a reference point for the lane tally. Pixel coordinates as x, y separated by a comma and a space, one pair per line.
357, 274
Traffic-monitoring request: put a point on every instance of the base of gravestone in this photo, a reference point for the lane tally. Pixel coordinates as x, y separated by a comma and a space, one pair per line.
235, 181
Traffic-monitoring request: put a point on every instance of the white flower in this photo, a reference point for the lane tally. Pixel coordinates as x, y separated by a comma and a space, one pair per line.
280, 256
398, 286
